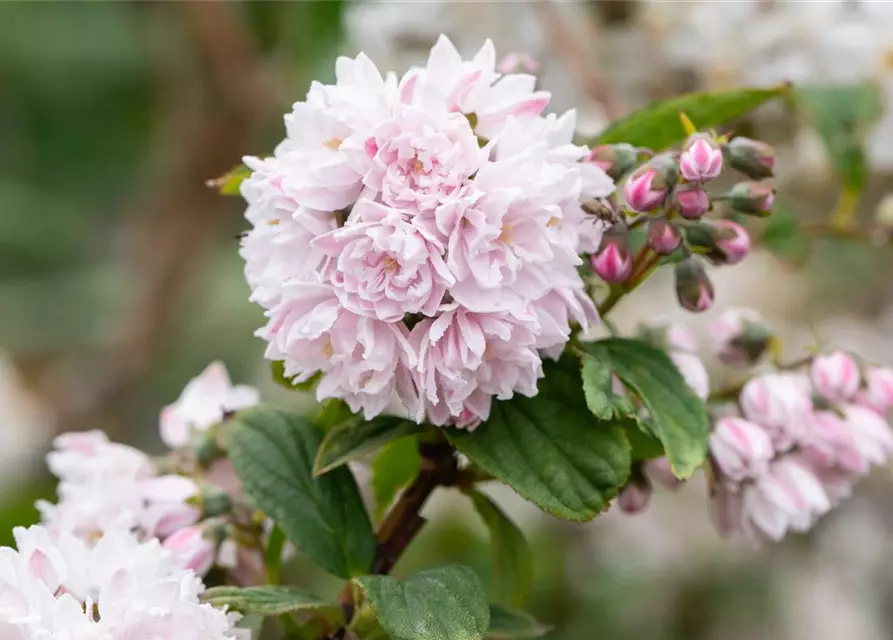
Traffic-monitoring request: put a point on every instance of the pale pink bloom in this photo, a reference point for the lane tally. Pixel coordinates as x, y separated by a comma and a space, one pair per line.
830, 443
465, 359
694, 372
473, 178
474, 87
870, 432
701, 159
780, 403
384, 267
204, 402
120, 588
192, 549
106, 486
515, 61
416, 158
788, 497
555, 311
879, 389
740, 448
363, 361
728, 329
835, 376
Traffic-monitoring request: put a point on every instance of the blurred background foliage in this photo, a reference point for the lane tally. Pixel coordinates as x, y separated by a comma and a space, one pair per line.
120, 277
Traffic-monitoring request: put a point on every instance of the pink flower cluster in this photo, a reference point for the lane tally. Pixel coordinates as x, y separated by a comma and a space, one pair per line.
802, 442
418, 237
106, 487
62, 587
122, 553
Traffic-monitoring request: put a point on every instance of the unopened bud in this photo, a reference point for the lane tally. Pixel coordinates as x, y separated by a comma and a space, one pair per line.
205, 446
835, 376
732, 241
701, 158
613, 262
721, 241
691, 201
752, 198
693, 288
634, 497
649, 185
660, 471
740, 336
753, 158
215, 501
193, 548
878, 394
740, 449
663, 237
614, 159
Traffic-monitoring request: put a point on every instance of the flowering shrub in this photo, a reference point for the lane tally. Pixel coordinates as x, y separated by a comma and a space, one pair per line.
432, 252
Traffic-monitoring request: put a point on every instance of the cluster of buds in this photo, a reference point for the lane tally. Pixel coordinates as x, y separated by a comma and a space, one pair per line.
668, 195
801, 441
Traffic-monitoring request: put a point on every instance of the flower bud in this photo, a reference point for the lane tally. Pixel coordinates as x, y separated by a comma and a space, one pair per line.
192, 548
613, 262
693, 288
732, 241
781, 404
740, 336
878, 394
752, 198
701, 158
667, 335
634, 497
663, 237
691, 201
693, 372
740, 449
835, 376
614, 159
215, 501
659, 470
753, 158
649, 185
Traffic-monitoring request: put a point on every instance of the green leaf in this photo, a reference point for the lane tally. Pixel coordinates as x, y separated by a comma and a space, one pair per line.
272, 600
550, 448
228, 184
446, 603
273, 554
354, 440
273, 451
843, 115
644, 445
506, 624
512, 559
785, 237
395, 467
599, 392
658, 126
277, 368
678, 415
334, 412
